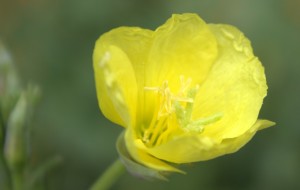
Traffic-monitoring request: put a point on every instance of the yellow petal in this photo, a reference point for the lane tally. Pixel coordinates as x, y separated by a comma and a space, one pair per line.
183, 46
129, 47
116, 87
193, 148
185, 149
137, 151
235, 86
262, 124
133, 41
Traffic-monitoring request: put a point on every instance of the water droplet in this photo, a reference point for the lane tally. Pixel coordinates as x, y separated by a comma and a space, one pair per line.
237, 46
119, 97
247, 51
108, 77
227, 34
105, 59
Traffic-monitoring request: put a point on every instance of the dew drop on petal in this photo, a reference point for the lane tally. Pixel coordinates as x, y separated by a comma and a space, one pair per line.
105, 59
237, 46
109, 79
227, 34
119, 97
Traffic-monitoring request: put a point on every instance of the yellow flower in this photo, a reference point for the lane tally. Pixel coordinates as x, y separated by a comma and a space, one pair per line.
186, 92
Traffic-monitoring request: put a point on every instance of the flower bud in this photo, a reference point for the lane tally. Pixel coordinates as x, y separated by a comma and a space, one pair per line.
9, 88
15, 147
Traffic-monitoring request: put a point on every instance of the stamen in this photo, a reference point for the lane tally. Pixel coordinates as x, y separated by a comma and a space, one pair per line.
198, 125
173, 112
165, 99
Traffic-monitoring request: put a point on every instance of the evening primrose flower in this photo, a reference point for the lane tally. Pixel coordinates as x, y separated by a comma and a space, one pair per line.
185, 92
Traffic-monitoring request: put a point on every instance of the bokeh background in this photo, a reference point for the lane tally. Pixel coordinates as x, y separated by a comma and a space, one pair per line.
52, 41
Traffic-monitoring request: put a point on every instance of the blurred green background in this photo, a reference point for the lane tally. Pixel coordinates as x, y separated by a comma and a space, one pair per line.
52, 41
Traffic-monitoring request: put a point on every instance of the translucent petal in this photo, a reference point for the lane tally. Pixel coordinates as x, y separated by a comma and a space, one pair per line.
127, 51
134, 167
192, 148
137, 151
184, 46
262, 124
235, 86
133, 41
116, 87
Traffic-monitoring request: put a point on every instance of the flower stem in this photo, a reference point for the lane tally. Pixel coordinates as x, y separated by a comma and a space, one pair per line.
17, 180
4, 174
108, 178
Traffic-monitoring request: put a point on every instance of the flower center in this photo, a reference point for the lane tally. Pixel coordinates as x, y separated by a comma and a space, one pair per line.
173, 113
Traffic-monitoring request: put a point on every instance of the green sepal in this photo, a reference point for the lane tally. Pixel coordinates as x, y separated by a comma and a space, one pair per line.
134, 167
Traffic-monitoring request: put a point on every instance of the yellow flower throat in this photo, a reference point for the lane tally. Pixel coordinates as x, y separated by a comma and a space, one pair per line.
173, 113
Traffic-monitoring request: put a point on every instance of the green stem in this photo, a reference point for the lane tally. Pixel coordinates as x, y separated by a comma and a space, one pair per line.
17, 180
109, 177
4, 174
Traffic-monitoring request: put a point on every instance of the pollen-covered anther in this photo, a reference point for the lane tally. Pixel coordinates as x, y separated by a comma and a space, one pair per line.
167, 101
167, 98
177, 106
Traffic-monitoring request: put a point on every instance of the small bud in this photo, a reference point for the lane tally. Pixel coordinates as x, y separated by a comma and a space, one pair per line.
15, 147
33, 94
9, 82
9, 88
